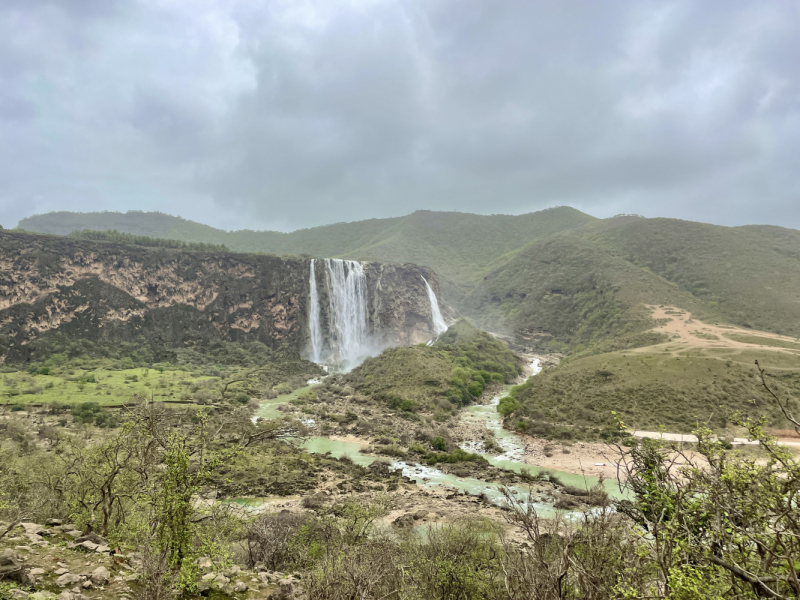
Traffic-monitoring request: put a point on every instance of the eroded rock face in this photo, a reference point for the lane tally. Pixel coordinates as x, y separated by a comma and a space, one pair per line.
109, 292
400, 308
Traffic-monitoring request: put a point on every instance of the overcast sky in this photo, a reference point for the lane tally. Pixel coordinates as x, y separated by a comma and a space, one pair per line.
271, 114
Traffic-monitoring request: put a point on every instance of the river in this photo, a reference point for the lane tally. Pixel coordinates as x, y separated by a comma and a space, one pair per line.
482, 414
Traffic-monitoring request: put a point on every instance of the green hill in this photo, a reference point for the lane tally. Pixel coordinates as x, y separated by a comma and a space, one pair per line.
587, 286
460, 247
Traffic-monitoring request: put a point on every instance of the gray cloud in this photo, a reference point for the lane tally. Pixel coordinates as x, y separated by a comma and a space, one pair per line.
293, 113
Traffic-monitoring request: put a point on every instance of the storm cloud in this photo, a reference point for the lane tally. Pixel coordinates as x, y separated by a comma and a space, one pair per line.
287, 114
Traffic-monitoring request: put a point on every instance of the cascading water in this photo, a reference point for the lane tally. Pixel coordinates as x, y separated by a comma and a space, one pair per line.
349, 319
314, 318
439, 326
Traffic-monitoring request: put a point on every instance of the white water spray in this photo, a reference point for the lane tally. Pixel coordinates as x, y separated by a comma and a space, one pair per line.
349, 320
314, 325
439, 326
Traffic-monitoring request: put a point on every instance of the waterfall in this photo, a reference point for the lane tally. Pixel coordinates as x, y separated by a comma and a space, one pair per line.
439, 326
349, 320
314, 326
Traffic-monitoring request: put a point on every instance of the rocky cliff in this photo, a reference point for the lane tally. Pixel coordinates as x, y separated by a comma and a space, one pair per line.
60, 288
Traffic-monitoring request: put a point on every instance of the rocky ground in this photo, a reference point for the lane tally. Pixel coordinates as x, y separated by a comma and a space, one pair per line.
57, 561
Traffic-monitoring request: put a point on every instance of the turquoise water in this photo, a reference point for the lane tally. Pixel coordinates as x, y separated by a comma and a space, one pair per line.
487, 415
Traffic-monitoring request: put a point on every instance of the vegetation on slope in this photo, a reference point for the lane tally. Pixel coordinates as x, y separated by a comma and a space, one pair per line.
650, 389
142, 240
451, 373
564, 294
750, 275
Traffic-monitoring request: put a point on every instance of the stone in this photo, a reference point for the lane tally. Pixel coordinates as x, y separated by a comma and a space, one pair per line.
42, 595
18, 594
26, 548
11, 569
205, 563
87, 545
54, 522
286, 591
34, 538
403, 521
37, 572
62, 565
87, 585
221, 579
103, 549
94, 538
208, 577
32, 528
240, 586
67, 579
62, 570
73, 533
100, 576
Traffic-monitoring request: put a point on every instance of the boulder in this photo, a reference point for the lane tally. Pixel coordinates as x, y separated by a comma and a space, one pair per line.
11, 569
94, 538
87, 545
16, 594
54, 522
61, 571
32, 528
240, 587
287, 590
100, 576
403, 521
67, 579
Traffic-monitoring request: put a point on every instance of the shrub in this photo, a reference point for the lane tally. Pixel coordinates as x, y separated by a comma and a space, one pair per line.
475, 388
507, 405
439, 443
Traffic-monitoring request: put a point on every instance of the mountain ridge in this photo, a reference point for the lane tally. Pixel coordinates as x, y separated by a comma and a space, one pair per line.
488, 267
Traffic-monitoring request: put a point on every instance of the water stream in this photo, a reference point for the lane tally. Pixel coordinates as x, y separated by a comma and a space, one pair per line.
485, 415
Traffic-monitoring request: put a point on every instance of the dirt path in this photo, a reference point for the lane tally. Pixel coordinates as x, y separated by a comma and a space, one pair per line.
687, 333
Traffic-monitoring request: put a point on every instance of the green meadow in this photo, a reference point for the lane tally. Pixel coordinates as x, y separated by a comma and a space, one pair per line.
104, 386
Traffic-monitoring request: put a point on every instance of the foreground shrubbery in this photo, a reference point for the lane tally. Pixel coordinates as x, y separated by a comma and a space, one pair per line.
712, 523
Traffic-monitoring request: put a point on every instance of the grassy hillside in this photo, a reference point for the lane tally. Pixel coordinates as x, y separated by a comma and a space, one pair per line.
152, 224
586, 286
651, 389
566, 294
451, 373
750, 274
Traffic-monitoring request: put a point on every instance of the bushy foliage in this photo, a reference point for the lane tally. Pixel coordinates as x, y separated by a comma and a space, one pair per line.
453, 372
141, 240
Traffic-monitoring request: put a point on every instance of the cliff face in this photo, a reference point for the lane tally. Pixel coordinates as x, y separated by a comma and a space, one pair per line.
107, 292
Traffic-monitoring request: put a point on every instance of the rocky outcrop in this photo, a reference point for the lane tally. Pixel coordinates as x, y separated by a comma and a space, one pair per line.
102, 292
400, 309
